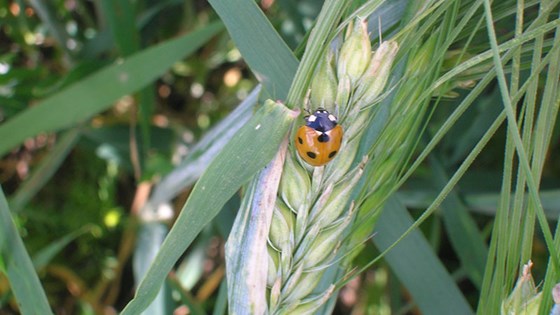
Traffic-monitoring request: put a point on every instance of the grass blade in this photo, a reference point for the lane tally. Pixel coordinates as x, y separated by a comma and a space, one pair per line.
42, 258
45, 170
255, 145
221, 302
120, 17
268, 56
15, 262
150, 236
464, 235
516, 137
96, 93
418, 268
203, 152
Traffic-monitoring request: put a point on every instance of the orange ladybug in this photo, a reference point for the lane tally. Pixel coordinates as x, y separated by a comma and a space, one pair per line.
318, 142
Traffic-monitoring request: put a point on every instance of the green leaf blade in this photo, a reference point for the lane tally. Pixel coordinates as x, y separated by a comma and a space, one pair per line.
120, 17
245, 155
96, 93
18, 267
418, 268
268, 56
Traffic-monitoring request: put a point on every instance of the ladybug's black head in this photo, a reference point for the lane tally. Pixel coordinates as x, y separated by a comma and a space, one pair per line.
321, 120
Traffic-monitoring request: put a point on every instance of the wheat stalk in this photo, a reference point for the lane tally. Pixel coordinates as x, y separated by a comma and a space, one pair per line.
313, 208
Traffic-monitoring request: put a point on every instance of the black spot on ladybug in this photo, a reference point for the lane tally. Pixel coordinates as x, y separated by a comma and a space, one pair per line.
300, 140
311, 155
324, 138
333, 153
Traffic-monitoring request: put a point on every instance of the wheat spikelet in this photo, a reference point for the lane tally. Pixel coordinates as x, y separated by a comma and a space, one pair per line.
313, 208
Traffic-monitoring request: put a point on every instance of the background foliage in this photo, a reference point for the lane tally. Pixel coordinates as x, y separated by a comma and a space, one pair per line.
103, 102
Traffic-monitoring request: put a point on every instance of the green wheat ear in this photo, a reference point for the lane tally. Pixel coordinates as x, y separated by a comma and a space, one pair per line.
525, 298
313, 208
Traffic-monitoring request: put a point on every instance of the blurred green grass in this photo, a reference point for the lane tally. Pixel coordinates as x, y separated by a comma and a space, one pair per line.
99, 100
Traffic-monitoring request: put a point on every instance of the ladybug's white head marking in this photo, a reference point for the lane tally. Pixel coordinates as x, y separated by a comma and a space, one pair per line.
311, 118
332, 118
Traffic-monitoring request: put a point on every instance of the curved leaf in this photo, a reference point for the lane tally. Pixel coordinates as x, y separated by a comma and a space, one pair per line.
245, 155
15, 262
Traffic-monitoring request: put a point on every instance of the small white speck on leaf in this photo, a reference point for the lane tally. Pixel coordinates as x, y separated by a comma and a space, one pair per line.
123, 77
258, 127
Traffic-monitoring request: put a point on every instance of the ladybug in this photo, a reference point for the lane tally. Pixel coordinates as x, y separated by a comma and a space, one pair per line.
318, 141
